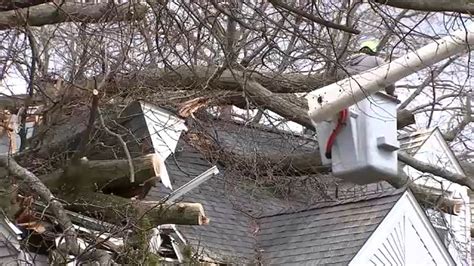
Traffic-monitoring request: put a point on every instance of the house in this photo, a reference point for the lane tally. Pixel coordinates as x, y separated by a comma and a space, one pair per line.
345, 224
247, 227
272, 218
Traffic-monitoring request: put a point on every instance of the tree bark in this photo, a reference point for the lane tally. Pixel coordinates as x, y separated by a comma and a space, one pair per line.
461, 6
117, 210
51, 13
96, 174
6, 5
192, 77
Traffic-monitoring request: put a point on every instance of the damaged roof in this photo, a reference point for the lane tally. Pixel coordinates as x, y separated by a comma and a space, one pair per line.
231, 236
250, 224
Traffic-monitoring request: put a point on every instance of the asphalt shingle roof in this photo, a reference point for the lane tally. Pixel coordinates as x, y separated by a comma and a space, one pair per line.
247, 226
229, 237
322, 235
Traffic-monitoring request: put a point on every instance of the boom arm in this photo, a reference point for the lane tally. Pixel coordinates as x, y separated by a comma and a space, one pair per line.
325, 102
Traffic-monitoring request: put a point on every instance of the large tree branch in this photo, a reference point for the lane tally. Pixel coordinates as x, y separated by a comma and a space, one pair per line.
6, 5
116, 210
269, 91
462, 6
287, 105
51, 13
196, 77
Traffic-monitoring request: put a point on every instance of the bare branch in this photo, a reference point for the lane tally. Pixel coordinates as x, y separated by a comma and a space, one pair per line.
467, 118
429, 79
329, 24
124, 145
441, 172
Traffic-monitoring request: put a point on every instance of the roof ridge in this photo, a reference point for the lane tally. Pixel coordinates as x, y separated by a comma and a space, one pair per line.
327, 204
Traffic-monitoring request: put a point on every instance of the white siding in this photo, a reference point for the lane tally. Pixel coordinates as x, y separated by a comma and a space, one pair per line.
405, 237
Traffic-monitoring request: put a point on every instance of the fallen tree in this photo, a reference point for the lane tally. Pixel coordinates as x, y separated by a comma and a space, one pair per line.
76, 190
306, 164
265, 91
79, 185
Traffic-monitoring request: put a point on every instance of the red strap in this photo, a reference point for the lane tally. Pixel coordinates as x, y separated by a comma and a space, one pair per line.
332, 138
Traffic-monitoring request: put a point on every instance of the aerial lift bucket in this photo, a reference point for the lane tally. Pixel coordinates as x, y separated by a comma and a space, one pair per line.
365, 149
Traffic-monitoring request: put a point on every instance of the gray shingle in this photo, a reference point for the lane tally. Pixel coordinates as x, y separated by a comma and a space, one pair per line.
328, 234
